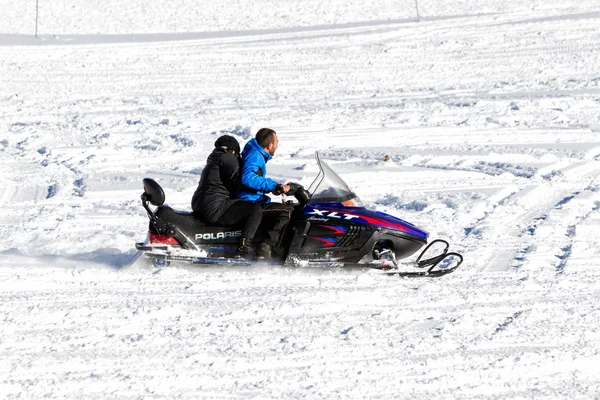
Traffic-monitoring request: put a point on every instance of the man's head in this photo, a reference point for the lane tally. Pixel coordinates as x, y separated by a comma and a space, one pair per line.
267, 139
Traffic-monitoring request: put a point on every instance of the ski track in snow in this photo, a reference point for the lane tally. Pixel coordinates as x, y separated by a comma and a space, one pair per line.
490, 116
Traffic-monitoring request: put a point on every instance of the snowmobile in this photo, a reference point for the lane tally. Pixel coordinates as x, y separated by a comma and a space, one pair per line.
328, 228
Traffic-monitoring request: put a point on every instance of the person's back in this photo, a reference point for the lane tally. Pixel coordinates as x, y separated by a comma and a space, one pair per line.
215, 198
218, 185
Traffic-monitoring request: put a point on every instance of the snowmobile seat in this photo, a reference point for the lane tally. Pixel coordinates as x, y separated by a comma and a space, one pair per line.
186, 220
153, 193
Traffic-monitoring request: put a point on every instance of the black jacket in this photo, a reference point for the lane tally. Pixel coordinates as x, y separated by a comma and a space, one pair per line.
218, 185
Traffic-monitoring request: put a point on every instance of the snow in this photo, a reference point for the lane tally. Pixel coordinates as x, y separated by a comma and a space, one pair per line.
489, 111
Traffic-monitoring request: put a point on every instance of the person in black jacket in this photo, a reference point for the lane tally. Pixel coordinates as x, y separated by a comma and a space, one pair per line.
214, 200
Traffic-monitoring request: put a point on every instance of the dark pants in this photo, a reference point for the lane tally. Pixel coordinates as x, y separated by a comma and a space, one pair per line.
275, 218
239, 211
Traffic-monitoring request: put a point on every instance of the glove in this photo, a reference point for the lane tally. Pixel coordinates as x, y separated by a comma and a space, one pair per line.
278, 190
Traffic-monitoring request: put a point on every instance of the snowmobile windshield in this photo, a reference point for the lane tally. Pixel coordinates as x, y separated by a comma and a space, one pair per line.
328, 187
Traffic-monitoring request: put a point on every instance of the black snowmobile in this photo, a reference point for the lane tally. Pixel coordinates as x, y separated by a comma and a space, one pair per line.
329, 228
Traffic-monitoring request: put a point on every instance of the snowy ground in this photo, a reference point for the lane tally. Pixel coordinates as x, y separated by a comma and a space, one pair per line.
490, 114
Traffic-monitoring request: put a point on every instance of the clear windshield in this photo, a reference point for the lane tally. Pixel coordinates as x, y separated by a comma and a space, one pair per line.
328, 187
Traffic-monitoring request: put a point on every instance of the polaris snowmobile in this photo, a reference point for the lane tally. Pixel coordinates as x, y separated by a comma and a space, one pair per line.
329, 228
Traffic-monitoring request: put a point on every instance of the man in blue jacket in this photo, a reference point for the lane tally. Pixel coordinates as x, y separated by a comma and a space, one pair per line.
255, 186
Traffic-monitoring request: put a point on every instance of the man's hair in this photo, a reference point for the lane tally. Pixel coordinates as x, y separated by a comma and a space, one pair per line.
265, 136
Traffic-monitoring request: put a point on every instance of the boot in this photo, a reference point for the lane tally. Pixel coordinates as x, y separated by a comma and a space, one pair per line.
264, 251
277, 254
244, 249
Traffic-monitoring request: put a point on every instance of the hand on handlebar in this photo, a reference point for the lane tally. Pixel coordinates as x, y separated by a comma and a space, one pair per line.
281, 188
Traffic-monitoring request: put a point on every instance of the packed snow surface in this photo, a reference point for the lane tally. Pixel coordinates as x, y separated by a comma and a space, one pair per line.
490, 115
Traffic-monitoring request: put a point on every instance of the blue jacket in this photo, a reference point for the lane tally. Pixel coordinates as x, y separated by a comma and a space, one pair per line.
255, 184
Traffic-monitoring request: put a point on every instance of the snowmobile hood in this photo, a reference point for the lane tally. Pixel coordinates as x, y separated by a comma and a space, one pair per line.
362, 215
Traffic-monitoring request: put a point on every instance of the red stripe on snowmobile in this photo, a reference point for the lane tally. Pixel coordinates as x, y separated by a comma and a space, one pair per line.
336, 229
329, 242
387, 224
162, 239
